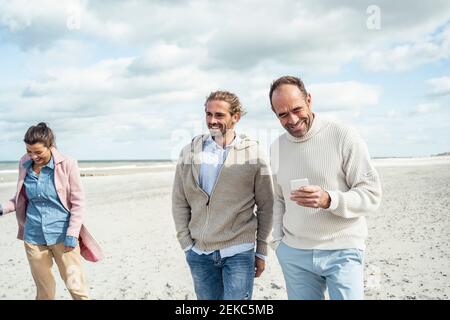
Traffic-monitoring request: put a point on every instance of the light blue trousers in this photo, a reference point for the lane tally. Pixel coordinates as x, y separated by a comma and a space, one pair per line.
309, 272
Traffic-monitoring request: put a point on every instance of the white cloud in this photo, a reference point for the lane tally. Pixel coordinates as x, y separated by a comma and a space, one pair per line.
312, 36
431, 109
439, 86
133, 69
341, 96
426, 107
393, 114
165, 56
42, 23
410, 55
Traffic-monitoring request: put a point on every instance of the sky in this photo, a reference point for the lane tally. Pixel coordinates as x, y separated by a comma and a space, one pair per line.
128, 79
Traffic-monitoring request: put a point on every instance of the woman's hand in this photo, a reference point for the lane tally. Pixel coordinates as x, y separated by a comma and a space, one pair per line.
70, 243
68, 249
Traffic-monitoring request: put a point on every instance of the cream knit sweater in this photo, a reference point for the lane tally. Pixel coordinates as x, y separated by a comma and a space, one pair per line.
334, 157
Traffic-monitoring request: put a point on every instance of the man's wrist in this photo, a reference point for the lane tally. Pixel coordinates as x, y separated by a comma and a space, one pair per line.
261, 256
327, 201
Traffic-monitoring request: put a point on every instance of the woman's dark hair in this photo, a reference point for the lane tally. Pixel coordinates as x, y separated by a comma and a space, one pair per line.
40, 133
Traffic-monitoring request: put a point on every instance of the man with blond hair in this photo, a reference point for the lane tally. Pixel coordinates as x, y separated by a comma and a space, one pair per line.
319, 228
222, 204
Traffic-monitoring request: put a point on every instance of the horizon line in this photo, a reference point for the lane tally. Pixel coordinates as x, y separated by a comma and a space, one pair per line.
170, 160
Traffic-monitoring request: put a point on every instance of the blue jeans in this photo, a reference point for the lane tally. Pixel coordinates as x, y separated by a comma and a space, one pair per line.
217, 278
308, 272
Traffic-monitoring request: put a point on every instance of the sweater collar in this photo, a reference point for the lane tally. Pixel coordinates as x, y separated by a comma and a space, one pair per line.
317, 125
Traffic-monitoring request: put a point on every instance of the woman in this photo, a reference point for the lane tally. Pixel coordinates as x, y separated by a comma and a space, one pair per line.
49, 205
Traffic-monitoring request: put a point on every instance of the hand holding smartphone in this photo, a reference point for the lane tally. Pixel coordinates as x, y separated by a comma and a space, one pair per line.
298, 183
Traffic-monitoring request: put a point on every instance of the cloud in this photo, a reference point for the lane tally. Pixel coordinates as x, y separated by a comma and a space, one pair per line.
311, 36
439, 86
305, 35
130, 73
162, 56
410, 55
341, 96
393, 114
39, 24
33, 24
426, 108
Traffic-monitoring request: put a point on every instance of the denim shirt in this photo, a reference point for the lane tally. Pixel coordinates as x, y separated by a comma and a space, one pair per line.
47, 219
213, 158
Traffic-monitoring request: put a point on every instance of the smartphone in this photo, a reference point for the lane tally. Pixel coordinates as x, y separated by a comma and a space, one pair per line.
297, 183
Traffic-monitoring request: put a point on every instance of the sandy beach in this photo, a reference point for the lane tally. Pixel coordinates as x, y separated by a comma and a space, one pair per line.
129, 213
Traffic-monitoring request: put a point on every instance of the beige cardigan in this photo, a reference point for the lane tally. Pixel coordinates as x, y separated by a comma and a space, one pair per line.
227, 217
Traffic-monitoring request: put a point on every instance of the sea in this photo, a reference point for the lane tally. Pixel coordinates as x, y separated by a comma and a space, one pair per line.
9, 169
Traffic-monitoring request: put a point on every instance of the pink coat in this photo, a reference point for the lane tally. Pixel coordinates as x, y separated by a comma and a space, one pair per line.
69, 189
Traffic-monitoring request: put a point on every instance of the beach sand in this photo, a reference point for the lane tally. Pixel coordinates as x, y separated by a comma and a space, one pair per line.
407, 256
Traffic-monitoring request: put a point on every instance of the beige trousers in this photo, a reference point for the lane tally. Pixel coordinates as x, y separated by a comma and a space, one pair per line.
40, 258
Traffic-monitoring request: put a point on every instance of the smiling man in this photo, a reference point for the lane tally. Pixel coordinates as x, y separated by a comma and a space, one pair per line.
319, 230
222, 203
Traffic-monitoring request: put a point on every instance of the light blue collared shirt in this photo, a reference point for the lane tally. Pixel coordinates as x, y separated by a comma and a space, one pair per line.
47, 219
213, 158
